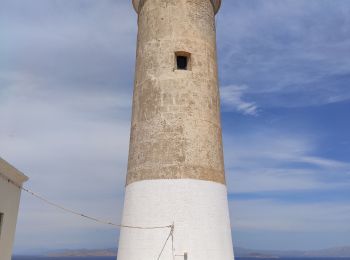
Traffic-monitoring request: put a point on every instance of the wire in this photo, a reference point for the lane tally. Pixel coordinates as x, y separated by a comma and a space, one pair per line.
77, 213
74, 212
172, 242
166, 241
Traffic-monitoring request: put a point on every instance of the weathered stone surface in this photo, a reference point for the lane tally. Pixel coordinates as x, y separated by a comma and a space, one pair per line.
139, 3
176, 130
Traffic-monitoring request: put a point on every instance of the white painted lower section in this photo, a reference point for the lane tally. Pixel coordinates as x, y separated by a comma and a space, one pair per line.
199, 210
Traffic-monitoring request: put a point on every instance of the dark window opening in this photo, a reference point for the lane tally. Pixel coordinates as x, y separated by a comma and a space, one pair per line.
1, 221
182, 62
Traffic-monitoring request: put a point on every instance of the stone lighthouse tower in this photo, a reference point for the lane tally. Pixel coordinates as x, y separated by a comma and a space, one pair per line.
176, 169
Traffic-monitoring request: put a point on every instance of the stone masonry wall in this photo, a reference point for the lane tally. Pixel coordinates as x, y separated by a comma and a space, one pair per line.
176, 130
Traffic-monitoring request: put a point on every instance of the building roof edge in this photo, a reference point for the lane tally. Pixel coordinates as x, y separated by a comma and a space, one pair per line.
11, 172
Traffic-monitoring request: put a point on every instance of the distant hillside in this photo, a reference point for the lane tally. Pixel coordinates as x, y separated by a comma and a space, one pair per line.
84, 253
330, 252
239, 252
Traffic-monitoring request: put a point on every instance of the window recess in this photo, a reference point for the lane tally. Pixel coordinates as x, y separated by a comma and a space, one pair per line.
182, 60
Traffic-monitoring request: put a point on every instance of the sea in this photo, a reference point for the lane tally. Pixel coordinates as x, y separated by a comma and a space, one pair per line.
113, 258
62, 258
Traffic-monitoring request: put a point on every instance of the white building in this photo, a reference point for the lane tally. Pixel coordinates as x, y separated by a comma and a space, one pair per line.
10, 181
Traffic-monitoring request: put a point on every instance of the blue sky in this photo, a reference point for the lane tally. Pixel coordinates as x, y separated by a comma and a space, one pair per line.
66, 76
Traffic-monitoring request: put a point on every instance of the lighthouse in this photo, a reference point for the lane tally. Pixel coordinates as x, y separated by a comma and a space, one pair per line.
175, 169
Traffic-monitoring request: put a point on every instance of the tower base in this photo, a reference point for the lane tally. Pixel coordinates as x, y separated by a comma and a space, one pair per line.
198, 209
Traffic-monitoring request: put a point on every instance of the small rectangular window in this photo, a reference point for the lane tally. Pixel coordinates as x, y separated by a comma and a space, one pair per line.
182, 60
1, 221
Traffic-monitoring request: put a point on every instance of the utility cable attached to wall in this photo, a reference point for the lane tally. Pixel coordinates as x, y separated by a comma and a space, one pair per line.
77, 213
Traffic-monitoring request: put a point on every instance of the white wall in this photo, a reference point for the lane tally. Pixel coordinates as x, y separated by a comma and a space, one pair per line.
198, 208
9, 203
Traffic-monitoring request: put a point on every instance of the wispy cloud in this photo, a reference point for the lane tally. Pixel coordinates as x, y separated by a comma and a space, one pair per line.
59, 138
280, 216
282, 51
279, 187
66, 76
269, 161
232, 98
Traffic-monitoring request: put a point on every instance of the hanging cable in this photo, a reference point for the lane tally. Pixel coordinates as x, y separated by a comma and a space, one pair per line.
74, 212
77, 213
